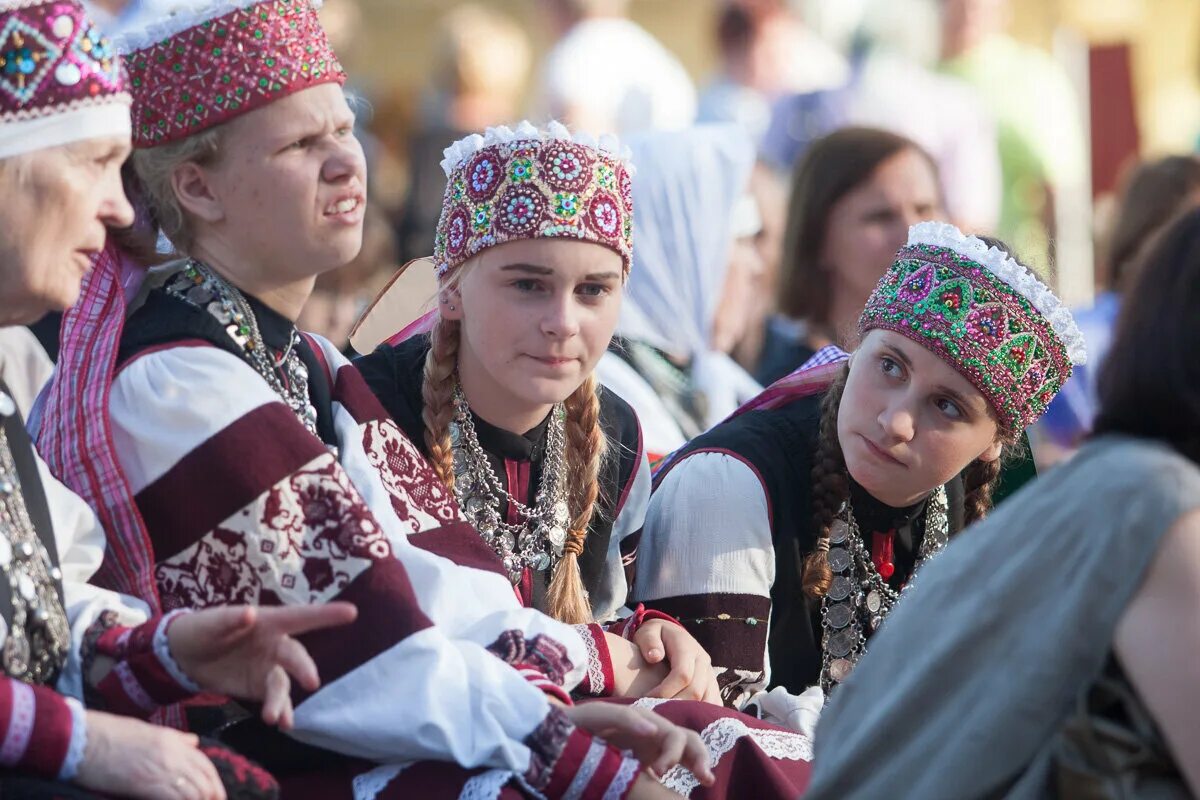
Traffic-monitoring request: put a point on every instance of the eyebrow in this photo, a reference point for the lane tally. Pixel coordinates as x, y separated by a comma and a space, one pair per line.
538, 269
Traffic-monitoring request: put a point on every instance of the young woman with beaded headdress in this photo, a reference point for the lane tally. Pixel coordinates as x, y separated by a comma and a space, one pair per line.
498, 386
839, 480
235, 460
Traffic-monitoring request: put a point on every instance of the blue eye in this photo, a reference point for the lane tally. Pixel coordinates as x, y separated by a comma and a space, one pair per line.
527, 285
593, 290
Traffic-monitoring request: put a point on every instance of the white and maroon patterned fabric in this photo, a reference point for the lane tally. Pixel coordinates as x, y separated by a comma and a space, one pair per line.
244, 505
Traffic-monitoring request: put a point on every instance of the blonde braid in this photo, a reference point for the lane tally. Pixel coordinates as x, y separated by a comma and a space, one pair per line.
437, 392
585, 447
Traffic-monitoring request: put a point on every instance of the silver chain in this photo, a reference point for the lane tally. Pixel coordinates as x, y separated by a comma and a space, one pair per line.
859, 598
39, 636
201, 286
536, 541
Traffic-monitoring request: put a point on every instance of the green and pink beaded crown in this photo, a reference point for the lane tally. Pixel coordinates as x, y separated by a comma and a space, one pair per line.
983, 313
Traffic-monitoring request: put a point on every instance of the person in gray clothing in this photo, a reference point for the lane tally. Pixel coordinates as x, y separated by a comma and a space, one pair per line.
1057, 640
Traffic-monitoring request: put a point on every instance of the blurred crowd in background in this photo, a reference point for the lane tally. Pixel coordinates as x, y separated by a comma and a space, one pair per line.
1065, 128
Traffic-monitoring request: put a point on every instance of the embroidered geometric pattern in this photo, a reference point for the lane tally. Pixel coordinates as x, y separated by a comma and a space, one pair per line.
52, 59
224, 66
510, 185
300, 542
976, 322
421, 501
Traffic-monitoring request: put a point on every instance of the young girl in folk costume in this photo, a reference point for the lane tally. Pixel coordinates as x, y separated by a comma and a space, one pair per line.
235, 460
532, 252
840, 479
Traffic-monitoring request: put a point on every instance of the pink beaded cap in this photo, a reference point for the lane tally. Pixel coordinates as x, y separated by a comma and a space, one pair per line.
984, 314
198, 70
53, 60
508, 185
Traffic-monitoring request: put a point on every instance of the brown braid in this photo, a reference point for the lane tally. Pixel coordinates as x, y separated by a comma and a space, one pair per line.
979, 481
437, 392
830, 488
585, 447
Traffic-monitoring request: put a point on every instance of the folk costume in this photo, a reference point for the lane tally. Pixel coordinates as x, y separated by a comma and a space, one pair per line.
61, 83
526, 183
689, 209
235, 460
730, 564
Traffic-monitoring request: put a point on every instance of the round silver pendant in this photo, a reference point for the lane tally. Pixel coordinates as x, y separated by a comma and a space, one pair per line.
839, 669
838, 531
876, 621
838, 616
8, 406
840, 588
840, 644
839, 559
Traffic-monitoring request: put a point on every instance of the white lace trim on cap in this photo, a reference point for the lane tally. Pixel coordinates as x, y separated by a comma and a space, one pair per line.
456, 154
1007, 269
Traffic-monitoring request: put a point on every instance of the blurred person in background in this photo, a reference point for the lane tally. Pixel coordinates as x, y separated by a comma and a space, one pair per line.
883, 82
690, 294
1042, 145
854, 196
758, 42
607, 73
1156, 192
483, 60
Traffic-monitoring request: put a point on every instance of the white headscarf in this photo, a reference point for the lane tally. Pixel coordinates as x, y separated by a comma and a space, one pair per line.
688, 186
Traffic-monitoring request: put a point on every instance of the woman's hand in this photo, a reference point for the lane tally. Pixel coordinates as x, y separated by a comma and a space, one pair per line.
127, 757
654, 740
691, 676
249, 652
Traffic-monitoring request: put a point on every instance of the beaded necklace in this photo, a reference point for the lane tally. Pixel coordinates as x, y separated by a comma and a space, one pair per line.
200, 285
538, 540
859, 598
39, 636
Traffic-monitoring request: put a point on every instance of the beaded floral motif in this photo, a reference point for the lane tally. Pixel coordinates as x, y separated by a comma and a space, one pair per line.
526, 184
52, 58
976, 322
220, 68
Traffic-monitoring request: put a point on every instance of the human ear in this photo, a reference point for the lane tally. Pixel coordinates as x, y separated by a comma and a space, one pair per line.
993, 451
450, 304
194, 191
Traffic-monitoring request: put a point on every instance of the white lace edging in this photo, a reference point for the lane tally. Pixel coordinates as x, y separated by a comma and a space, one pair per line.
486, 786
368, 785
456, 154
1009, 270
78, 745
162, 649
595, 669
180, 16
721, 736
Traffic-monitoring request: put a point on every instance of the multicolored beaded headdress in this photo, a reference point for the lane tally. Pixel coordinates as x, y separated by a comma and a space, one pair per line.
60, 80
984, 314
508, 185
212, 61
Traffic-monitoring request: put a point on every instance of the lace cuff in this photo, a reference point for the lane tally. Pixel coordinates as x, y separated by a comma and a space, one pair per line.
144, 675
598, 680
627, 627
37, 726
78, 743
567, 761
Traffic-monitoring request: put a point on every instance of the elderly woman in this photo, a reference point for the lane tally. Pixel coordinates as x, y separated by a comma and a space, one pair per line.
64, 132
238, 460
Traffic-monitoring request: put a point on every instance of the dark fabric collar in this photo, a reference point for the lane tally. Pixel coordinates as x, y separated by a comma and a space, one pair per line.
529, 446
873, 515
276, 329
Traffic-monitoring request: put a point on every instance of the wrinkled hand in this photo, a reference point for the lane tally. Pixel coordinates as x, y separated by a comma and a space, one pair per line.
691, 676
127, 757
249, 652
654, 740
